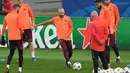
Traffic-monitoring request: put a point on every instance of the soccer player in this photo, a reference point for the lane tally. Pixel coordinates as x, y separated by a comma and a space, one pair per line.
8, 6
64, 28
113, 27
97, 44
11, 22
105, 15
25, 15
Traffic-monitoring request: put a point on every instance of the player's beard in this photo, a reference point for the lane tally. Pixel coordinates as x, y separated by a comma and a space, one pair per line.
100, 7
107, 4
17, 11
61, 16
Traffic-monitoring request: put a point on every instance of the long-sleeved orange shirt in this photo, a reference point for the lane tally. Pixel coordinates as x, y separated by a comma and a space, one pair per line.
24, 16
105, 15
63, 25
115, 17
14, 29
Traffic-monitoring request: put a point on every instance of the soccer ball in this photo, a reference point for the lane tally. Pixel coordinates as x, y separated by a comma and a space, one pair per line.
126, 70
77, 66
102, 71
118, 70
110, 70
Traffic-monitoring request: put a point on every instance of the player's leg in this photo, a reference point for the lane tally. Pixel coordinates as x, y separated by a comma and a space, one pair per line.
10, 56
95, 60
107, 55
1, 8
28, 33
65, 51
69, 48
20, 51
104, 60
114, 46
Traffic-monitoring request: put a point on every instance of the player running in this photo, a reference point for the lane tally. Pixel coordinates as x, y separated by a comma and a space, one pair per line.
64, 28
97, 44
14, 40
113, 27
25, 15
105, 15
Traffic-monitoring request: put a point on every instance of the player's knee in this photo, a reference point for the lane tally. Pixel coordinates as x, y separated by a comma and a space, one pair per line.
11, 52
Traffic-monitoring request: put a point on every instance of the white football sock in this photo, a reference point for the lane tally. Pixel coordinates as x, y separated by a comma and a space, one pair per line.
69, 62
118, 57
33, 54
7, 66
20, 69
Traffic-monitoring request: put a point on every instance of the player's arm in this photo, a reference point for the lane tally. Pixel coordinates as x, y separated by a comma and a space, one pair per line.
3, 31
31, 15
105, 34
70, 27
46, 22
117, 16
4, 27
94, 34
19, 26
108, 15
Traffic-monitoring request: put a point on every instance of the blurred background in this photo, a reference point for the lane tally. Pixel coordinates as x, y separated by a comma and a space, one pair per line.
75, 8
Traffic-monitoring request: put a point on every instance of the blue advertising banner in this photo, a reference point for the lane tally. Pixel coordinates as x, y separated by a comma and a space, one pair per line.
84, 7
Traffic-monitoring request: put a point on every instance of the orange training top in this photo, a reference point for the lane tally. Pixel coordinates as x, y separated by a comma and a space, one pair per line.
105, 15
14, 29
24, 16
115, 17
63, 25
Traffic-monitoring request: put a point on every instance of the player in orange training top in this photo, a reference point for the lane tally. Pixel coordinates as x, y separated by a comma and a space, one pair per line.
64, 28
115, 18
105, 15
25, 15
14, 40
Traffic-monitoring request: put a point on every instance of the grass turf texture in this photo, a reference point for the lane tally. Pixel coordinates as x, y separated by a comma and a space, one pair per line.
52, 61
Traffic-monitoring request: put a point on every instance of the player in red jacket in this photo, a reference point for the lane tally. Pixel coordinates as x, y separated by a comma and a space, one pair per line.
8, 6
99, 33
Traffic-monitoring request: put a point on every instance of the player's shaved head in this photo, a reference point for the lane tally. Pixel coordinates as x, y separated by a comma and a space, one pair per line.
20, 1
61, 12
94, 14
107, 2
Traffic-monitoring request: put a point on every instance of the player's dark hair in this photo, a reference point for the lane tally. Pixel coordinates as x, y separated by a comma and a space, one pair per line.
16, 5
96, 1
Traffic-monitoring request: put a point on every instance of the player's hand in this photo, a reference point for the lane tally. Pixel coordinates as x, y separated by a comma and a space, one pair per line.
3, 41
24, 38
32, 27
67, 36
102, 42
36, 25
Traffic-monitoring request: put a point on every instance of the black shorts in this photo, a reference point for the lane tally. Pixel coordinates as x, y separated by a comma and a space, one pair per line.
28, 34
111, 41
16, 44
65, 44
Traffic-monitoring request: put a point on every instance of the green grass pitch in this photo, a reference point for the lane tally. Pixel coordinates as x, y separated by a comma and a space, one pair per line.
52, 61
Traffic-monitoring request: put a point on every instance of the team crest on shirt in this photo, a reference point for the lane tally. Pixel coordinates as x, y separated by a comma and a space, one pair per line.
24, 9
65, 20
